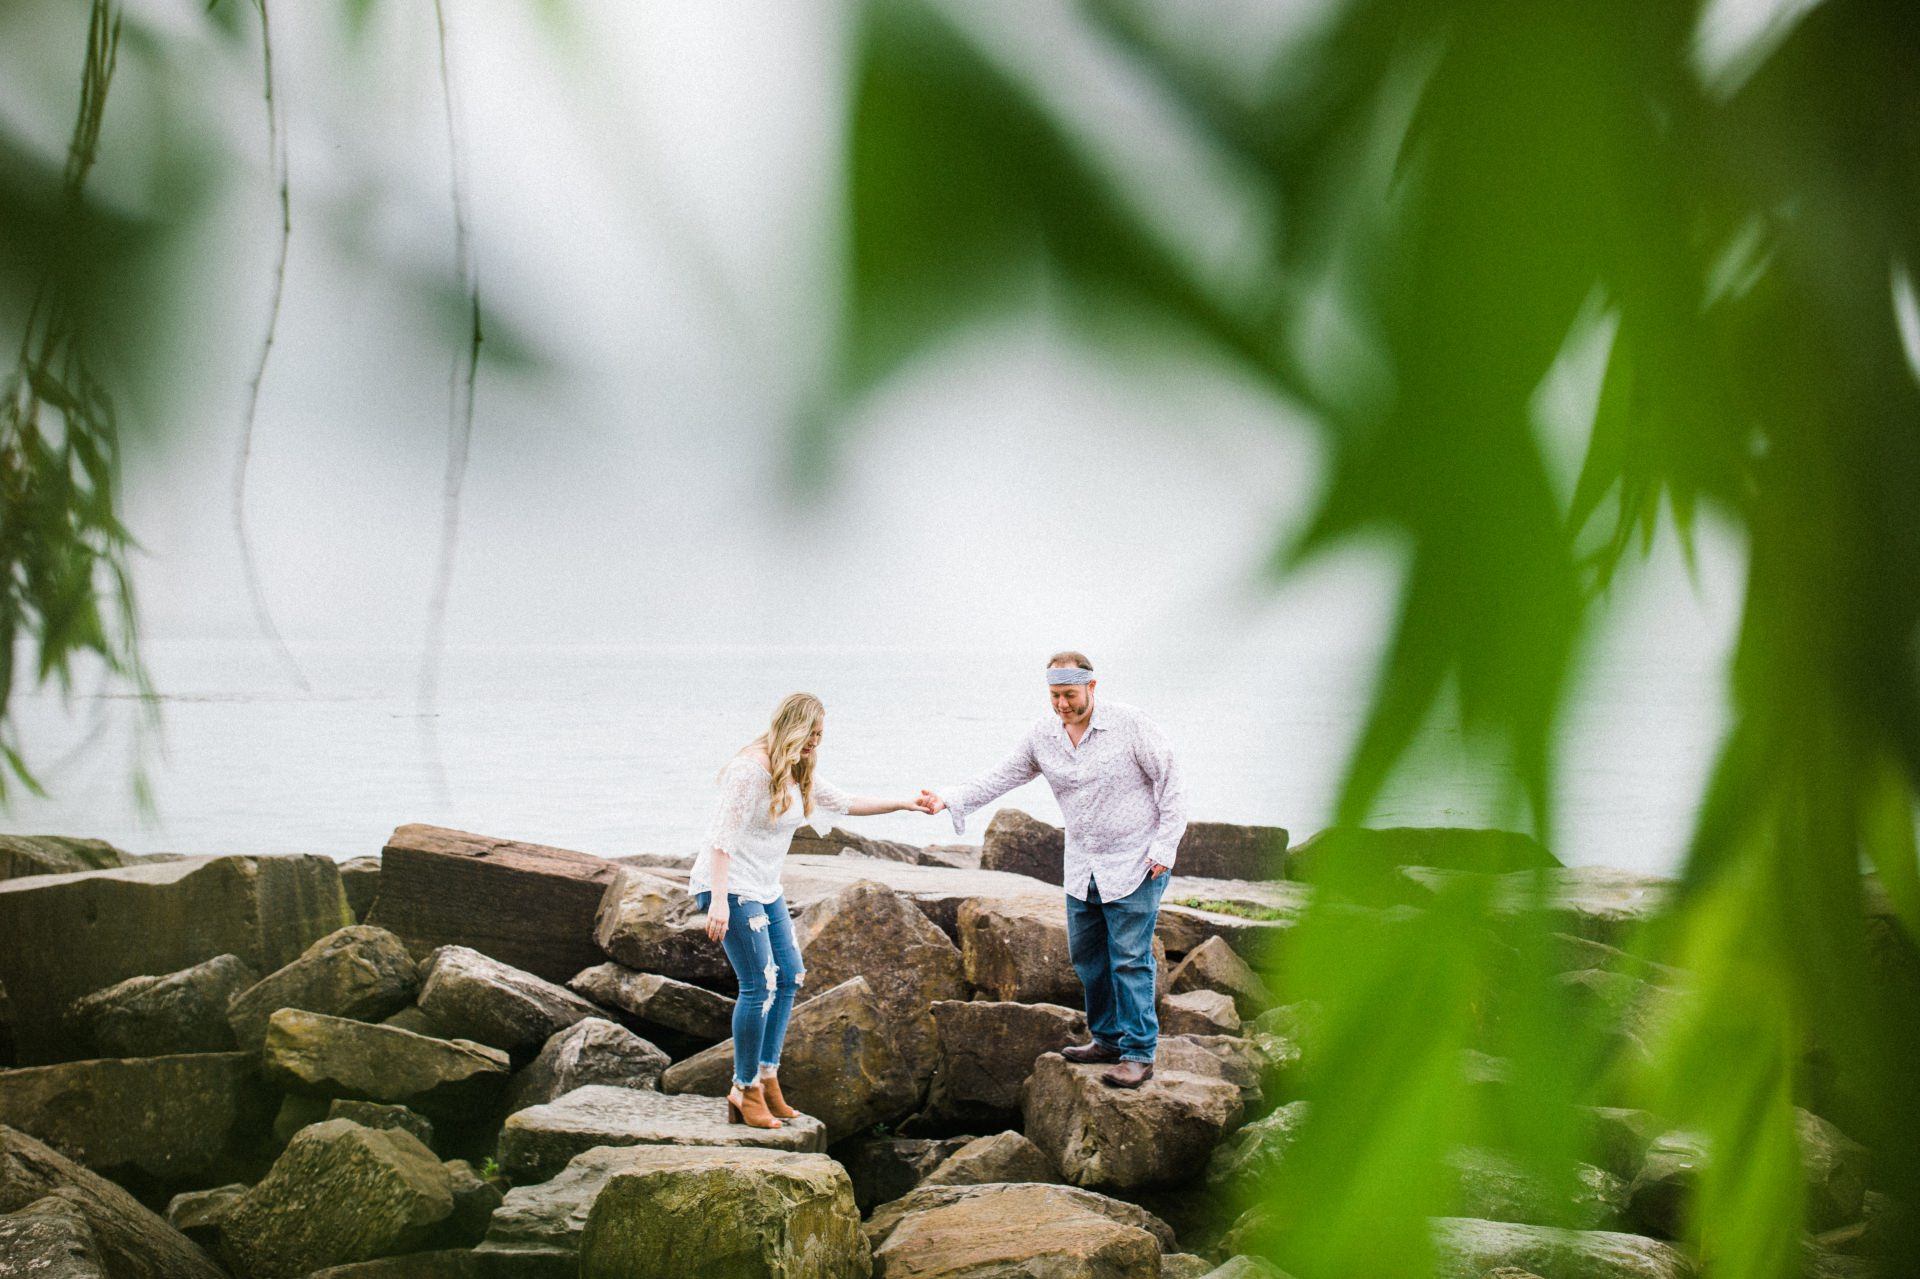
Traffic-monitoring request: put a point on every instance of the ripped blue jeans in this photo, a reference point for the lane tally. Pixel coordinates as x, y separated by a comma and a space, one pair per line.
759, 944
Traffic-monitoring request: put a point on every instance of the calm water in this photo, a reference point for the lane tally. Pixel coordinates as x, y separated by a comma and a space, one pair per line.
614, 751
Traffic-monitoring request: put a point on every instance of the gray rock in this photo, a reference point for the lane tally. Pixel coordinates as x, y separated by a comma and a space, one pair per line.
884, 1168
474, 1202
808, 841
339, 1193
1014, 1230
536, 1143
1255, 1064
197, 1214
867, 930
546, 1217
296, 1112
1213, 965
48, 1239
950, 856
1017, 951
1184, 1265
358, 972
716, 1213
839, 1064
1021, 845
70, 935
648, 921
1345, 853
475, 997
1221, 850
335, 1057
1835, 1167
24, 855
1493, 1187
1668, 1177
1003, 1157
183, 1012
594, 1051
1198, 1012
375, 1114
132, 1240
651, 1000
412, 1018
1621, 1137
1155, 1135
1252, 1159
984, 1052
459, 1263
1244, 1267
360, 877
156, 1123
1468, 1249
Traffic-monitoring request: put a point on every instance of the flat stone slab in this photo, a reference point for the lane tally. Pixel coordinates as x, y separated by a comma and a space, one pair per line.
538, 1142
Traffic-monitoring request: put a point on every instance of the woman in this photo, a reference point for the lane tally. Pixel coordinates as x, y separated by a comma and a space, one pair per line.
766, 792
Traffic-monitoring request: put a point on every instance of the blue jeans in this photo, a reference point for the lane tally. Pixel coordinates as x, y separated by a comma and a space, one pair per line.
1112, 948
759, 945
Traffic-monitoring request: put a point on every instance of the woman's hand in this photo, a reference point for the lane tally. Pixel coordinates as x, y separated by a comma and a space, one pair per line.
717, 921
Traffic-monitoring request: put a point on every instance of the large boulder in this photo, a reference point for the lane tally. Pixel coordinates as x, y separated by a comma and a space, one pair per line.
1158, 1134
23, 855
536, 1143
984, 1053
1023, 845
721, 1214
884, 1168
648, 921
1249, 1161
840, 1063
868, 930
1220, 850
1198, 1012
1254, 918
939, 891
1003, 1157
1022, 1229
338, 1193
1491, 1186
133, 1241
1017, 950
360, 876
48, 1239
69, 935
1253, 1064
1213, 965
544, 1218
474, 996
594, 1051
525, 904
197, 1214
154, 1123
323, 1056
810, 842
1466, 1248
183, 1012
1342, 856
1835, 1167
1669, 1174
380, 1114
661, 1008
360, 972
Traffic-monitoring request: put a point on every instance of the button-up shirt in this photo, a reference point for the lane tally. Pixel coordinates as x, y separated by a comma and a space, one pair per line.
1119, 790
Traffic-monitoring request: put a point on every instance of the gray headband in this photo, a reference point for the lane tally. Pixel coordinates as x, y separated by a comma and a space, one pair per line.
1069, 675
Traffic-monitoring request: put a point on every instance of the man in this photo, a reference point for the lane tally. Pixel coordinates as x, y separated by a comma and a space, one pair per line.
1115, 778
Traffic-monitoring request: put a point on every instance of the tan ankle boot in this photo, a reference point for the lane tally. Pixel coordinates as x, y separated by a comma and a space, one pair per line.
749, 1106
776, 1104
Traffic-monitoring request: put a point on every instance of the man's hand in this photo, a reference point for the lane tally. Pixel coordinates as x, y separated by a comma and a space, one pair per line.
930, 803
1155, 870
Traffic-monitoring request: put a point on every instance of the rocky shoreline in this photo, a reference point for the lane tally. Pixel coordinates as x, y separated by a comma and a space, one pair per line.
473, 1057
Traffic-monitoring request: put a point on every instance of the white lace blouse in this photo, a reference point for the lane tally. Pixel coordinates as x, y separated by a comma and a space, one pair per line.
755, 843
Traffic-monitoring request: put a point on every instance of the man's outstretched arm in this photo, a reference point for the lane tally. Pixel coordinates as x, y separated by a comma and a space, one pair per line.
1018, 769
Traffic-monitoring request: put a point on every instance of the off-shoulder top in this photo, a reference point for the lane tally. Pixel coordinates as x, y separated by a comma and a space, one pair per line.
755, 843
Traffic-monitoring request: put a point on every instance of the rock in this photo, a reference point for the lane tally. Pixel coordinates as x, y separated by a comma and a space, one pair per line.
69, 935
1243, 1166
339, 1193
1596, 903
537, 1142
884, 1168
692, 1013
154, 1123
839, 1064
1017, 951
1252, 1065
594, 1051
1253, 918
984, 1052
938, 891
1468, 1249
359, 972
335, 1057
717, 1214
360, 877
1198, 1012
1345, 855
1015, 1230
1184, 1265
867, 930
1621, 1137
197, 1214
1835, 1166
473, 996
49, 1239
374, 1114
835, 842
296, 1112
1658, 1195
133, 1242
950, 856
649, 921
1023, 845
1213, 965
1219, 850
414, 1019
1244, 1267
546, 1217
527, 905
24, 855
474, 1201
6, 1028
183, 1012
1005, 1156
1154, 1135
459, 1263
1493, 1187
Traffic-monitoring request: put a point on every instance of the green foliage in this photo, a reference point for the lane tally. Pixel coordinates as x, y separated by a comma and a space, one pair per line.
1244, 910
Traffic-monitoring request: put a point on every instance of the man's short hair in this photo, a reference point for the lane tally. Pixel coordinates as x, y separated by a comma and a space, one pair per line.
1067, 657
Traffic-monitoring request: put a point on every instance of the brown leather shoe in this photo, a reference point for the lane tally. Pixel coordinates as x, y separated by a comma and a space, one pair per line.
1090, 1053
749, 1106
776, 1104
1128, 1074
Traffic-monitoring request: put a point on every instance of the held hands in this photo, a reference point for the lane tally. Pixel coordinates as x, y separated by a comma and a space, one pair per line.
930, 803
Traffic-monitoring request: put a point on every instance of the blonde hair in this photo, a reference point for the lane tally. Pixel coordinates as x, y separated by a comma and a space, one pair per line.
793, 723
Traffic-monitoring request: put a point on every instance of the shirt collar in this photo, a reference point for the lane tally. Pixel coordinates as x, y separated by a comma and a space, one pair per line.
1097, 720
